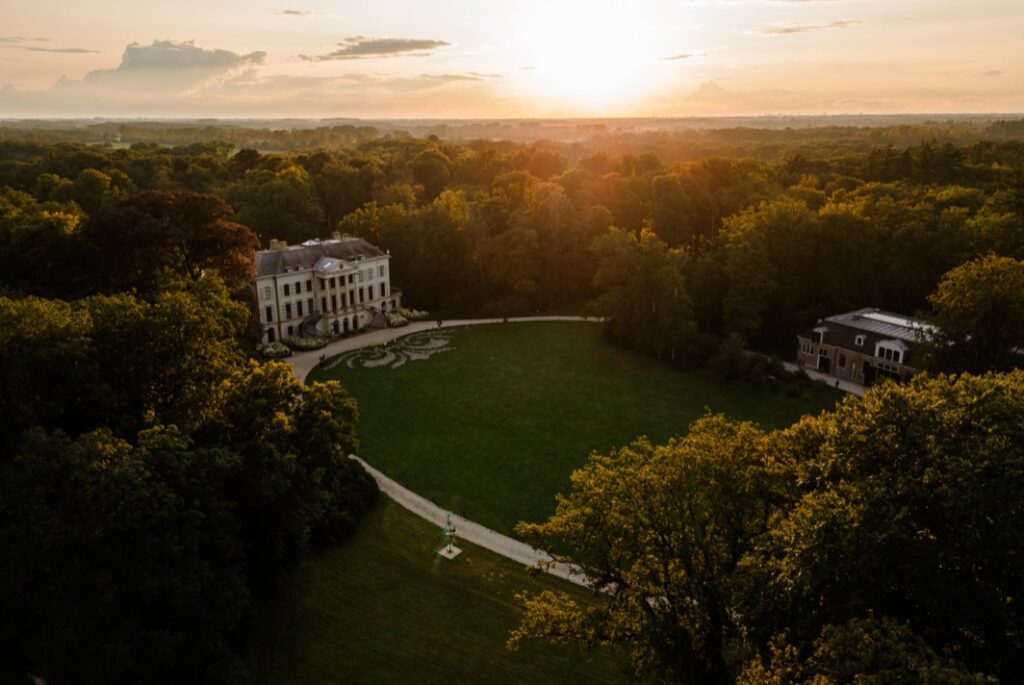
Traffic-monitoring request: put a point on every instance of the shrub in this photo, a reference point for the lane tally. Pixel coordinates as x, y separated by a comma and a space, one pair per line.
301, 344
396, 320
412, 314
273, 350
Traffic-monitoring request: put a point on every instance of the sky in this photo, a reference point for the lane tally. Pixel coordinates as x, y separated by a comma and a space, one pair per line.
521, 58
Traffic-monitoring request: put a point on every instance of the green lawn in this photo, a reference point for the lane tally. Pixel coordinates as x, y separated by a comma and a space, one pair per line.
382, 609
493, 428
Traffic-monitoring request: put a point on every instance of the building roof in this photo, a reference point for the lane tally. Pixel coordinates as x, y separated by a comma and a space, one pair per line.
876, 326
886, 324
303, 257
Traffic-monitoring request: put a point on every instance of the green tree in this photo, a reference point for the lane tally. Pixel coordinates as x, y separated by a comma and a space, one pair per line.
978, 308
121, 564
903, 504
642, 292
750, 275
867, 651
660, 531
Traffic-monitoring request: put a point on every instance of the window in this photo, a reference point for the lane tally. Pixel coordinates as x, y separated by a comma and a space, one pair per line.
267, 292
287, 290
344, 300
351, 279
291, 330
380, 269
859, 341
288, 313
334, 303
360, 276
298, 308
361, 298
332, 281
269, 314
383, 290
369, 292
309, 305
321, 284
323, 304
823, 352
309, 285
842, 360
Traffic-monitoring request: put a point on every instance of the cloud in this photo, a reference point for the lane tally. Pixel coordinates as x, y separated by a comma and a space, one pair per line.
169, 55
992, 72
780, 29
293, 13
361, 47
76, 51
7, 41
19, 43
682, 55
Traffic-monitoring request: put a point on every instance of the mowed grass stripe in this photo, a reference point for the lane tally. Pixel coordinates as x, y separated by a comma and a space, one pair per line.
493, 428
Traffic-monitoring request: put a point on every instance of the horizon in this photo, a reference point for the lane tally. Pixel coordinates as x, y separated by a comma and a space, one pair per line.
406, 60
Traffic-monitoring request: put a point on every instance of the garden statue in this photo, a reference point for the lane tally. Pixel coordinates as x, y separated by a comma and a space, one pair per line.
448, 550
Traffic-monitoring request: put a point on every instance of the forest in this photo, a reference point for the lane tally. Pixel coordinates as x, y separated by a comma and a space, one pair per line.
157, 480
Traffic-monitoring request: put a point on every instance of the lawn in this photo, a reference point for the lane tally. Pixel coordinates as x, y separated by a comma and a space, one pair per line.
492, 428
382, 609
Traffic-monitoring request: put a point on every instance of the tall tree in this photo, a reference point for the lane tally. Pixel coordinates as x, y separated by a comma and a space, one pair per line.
660, 531
184, 232
979, 311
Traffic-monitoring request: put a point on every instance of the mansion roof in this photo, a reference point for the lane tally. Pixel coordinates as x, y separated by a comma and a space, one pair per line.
306, 256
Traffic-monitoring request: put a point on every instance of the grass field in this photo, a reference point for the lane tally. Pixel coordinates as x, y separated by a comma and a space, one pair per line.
492, 428
381, 609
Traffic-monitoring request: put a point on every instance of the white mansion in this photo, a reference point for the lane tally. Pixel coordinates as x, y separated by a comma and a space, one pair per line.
322, 287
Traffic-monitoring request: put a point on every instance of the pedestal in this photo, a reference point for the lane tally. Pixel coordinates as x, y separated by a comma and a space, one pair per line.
449, 551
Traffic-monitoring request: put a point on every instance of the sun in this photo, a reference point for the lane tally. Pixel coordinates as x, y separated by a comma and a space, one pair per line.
592, 55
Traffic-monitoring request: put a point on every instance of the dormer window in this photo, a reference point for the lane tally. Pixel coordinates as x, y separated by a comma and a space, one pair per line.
891, 350
818, 335
859, 341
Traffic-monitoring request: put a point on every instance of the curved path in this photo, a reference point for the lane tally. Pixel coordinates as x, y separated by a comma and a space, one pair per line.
465, 529
469, 531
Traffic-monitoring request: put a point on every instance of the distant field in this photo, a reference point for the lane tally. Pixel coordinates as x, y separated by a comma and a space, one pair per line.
492, 428
381, 609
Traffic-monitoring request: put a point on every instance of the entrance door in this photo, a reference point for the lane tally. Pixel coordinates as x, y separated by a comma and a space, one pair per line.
270, 335
824, 364
870, 374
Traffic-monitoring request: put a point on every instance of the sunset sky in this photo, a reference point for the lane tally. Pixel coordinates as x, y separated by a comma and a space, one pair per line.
525, 58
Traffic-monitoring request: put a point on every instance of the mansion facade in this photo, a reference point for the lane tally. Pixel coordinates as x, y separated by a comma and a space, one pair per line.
322, 288
864, 346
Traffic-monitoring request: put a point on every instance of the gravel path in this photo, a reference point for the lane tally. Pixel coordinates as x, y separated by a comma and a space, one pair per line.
474, 532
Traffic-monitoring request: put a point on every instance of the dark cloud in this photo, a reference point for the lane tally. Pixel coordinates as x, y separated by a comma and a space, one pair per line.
360, 47
76, 51
779, 29
294, 13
